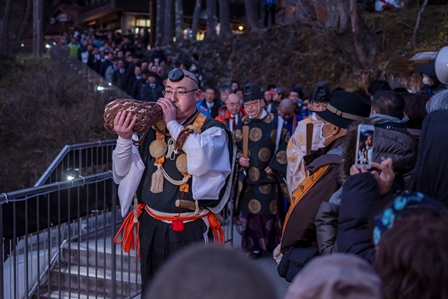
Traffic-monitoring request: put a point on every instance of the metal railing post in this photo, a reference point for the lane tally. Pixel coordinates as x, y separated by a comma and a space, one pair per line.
113, 247
2, 287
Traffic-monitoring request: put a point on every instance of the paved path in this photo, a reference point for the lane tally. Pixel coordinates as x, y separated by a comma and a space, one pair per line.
269, 266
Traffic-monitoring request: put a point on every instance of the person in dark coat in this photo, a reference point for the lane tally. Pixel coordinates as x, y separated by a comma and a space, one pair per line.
105, 64
362, 198
158, 54
388, 144
135, 93
120, 76
299, 231
209, 106
151, 91
431, 83
432, 164
391, 140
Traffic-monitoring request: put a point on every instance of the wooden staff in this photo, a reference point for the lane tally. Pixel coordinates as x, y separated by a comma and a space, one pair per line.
190, 205
309, 137
246, 141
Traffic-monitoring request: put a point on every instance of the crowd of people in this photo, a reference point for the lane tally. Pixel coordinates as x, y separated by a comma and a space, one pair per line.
126, 62
287, 160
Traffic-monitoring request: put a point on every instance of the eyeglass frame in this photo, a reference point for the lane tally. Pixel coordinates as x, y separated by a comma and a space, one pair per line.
177, 93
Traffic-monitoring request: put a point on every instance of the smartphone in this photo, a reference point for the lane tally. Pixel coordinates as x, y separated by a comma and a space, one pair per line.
364, 146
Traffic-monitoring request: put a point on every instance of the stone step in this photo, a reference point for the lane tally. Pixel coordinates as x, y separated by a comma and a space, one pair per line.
65, 294
126, 262
85, 280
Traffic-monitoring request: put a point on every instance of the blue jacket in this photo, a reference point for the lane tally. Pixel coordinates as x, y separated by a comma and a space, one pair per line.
269, 2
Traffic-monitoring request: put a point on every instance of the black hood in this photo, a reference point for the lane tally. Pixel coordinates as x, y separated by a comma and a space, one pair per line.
431, 168
430, 71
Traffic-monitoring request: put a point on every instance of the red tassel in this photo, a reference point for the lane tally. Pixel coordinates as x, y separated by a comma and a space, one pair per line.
177, 225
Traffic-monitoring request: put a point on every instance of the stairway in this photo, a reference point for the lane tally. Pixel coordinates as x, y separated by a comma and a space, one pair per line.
87, 274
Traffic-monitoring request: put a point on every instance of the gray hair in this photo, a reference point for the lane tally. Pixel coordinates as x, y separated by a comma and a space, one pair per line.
438, 101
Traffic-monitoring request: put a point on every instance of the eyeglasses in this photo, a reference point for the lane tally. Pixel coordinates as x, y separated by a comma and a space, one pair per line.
178, 93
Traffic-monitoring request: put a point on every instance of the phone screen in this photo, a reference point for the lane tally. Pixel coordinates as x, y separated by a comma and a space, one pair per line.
364, 146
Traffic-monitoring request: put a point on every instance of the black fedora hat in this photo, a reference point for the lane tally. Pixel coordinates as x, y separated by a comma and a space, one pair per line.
344, 108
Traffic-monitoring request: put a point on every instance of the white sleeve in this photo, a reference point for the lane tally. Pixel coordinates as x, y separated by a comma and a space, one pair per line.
122, 158
207, 160
127, 170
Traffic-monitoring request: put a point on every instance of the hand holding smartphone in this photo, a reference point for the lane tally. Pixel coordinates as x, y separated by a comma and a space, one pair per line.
364, 146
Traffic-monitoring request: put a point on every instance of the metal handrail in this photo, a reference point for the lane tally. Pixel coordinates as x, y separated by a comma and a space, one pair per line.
24, 194
64, 153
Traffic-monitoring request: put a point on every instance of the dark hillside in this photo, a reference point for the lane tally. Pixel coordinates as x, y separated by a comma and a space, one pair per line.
44, 105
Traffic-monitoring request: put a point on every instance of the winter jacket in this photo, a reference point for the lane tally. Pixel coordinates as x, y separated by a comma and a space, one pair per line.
212, 112
431, 169
360, 202
327, 227
225, 117
149, 94
394, 144
430, 71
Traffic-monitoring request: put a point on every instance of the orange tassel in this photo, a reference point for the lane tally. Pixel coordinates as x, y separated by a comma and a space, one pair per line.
218, 232
125, 234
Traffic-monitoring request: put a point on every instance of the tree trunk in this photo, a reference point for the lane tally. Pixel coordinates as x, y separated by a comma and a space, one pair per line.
153, 18
24, 26
211, 19
417, 23
252, 16
4, 29
194, 26
179, 16
359, 47
38, 36
335, 18
224, 18
334, 14
160, 21
169, 22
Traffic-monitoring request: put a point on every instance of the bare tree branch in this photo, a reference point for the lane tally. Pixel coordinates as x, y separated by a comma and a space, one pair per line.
417, 23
